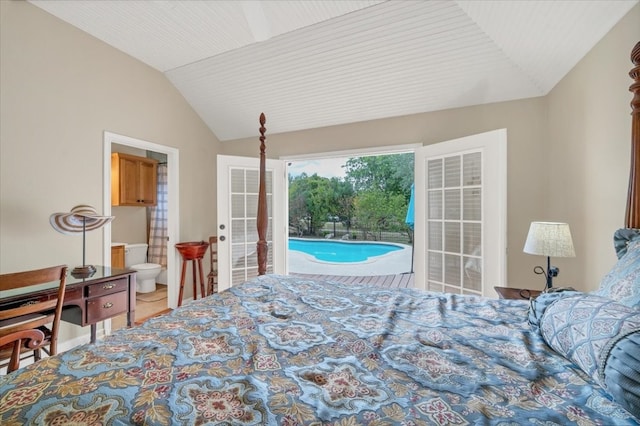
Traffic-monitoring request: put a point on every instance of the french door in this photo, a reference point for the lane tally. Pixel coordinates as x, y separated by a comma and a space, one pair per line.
460, 209
238, 181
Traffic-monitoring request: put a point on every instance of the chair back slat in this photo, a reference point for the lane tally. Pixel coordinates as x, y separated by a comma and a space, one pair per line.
34, 277
21, 326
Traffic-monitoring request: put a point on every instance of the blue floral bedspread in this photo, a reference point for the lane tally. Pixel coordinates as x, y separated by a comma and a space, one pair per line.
288, 351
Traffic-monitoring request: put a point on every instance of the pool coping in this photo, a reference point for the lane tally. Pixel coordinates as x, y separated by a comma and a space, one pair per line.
396, 262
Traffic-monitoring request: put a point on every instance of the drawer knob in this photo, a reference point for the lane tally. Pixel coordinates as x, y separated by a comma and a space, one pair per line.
108, 286
107, 305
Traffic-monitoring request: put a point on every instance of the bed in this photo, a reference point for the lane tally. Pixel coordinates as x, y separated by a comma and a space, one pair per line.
290, 351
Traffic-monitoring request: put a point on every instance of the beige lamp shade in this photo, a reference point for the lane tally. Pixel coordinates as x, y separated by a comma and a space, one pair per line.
552, 239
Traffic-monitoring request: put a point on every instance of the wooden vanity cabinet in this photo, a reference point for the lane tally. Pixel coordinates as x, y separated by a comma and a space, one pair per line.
117, 256
133, 180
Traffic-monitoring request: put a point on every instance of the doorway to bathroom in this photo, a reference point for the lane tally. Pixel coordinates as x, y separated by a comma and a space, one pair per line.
156, 227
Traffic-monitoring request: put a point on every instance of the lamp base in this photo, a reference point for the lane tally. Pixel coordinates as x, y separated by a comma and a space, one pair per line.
83, 271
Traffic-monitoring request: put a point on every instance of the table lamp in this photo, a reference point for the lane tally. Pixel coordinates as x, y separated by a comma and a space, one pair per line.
549, 239
81, 219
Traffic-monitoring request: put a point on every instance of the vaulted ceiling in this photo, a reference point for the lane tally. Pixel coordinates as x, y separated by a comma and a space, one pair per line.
309, 64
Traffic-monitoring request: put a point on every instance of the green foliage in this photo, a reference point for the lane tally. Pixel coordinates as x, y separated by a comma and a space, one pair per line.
392, 174
374, 196
312, 199
378, 211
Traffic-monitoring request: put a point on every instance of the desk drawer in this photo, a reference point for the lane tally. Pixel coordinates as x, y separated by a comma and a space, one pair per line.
107, 287
103, 307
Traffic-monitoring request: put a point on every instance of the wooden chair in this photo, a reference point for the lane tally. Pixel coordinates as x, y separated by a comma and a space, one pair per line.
23, 328
212, 285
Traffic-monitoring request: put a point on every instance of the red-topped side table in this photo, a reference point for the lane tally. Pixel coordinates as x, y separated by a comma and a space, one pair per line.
192, 251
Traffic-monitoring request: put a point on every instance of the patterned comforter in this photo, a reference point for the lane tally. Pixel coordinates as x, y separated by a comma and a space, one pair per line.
289, 351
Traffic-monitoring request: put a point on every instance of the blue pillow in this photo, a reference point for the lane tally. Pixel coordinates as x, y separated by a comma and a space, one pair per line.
622, 283
597, 334
621, 374
621, 239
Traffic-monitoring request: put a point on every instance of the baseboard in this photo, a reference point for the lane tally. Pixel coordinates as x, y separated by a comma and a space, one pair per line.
157, 314
80, 340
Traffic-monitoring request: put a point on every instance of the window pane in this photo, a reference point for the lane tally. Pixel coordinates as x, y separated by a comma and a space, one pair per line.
452, 237
431, 286
451, 171
238, 260
472, 204
268, 181
238, 276
435, 235
452, 204
472, 273
452, 269
252, 230
252, 181
472, 169
252, 273
454, 290
472, 238
434, 170
252, 205
269, 231
237, 180
237, 206
435, 266
435, 204
238, 231
252, 256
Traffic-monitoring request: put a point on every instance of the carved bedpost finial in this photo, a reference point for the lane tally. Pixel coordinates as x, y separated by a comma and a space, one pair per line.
632, 215
262, 219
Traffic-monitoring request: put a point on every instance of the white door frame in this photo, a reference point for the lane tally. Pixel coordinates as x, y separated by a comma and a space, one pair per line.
494, 233
279, 213
358, 152
173, 201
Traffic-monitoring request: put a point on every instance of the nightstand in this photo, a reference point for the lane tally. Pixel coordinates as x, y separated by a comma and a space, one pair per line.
516, 293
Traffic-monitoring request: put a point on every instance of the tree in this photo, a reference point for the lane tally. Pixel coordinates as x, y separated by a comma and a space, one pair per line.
392, 174
313, 198
375, 194
378, 211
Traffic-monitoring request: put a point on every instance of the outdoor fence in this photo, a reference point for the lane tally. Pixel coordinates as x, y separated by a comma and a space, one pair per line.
391, 232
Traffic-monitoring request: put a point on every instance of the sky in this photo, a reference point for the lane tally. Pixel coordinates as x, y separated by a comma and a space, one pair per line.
329, 167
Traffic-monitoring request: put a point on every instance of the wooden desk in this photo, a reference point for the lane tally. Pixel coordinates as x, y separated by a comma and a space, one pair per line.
87, 301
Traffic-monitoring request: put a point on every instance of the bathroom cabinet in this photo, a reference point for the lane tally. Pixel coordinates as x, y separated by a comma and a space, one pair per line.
133, 180
117, 256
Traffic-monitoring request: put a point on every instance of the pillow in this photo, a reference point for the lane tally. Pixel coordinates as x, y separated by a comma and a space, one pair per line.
622, 283
600, 336
621, 239
621, 374
538, 305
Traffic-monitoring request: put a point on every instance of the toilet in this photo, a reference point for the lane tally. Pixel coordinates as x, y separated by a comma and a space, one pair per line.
135, 257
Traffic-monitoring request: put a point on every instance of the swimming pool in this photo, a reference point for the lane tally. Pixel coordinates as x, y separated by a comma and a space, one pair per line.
340, 251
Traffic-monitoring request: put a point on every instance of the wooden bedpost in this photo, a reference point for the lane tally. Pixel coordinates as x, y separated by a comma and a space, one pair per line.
632, 216
262, 220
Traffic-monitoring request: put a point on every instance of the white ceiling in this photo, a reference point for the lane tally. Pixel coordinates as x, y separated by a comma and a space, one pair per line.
309, 64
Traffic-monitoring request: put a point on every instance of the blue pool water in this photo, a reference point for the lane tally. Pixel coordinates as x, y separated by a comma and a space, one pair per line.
343, 252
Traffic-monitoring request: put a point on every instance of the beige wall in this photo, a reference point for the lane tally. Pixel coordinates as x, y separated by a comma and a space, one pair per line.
568, 155
60, 90
588, 151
